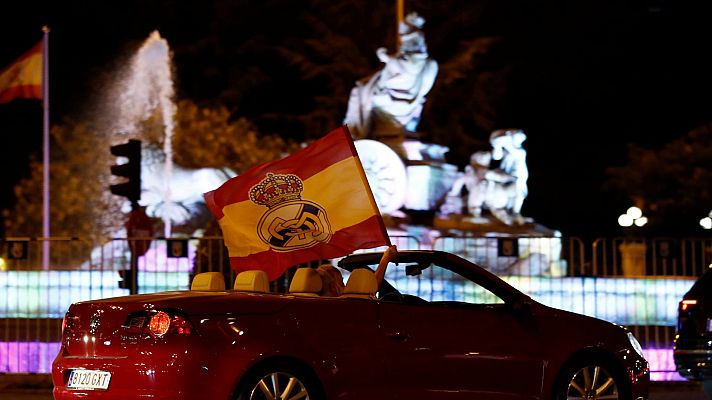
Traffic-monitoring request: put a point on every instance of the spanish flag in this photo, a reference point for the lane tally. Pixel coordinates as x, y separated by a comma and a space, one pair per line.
315, 204
23, 78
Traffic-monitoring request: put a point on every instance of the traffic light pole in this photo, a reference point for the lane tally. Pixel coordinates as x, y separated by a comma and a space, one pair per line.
133, 288
130, 188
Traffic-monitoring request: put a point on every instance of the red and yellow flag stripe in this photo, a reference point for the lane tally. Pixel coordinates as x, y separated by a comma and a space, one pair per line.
23, 78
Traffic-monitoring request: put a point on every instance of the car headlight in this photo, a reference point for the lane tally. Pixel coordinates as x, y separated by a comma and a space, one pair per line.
635, 344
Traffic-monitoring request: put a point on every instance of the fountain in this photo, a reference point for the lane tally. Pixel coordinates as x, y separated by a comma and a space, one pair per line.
147, 88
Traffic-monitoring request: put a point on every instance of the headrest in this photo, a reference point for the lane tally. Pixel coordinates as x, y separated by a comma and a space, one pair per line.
361, 282
252, 281
306, 282
210, 281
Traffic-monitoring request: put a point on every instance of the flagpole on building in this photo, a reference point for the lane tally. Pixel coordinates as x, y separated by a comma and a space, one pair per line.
45, 153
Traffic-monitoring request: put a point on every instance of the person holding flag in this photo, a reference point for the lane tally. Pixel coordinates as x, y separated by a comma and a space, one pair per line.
333, 281
314, 204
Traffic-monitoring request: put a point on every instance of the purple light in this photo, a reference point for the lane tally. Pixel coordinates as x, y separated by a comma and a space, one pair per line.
662, 365
27, 357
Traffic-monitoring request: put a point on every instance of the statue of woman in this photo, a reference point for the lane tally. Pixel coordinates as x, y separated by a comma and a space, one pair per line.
392, 99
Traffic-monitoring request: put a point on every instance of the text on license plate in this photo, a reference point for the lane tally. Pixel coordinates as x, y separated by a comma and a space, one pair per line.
88, 379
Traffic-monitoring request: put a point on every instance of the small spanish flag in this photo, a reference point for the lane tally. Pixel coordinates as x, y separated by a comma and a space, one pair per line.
23, 78
315, 204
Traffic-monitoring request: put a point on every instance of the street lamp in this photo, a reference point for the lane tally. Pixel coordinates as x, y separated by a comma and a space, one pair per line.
633, 216
632, 251
706, 222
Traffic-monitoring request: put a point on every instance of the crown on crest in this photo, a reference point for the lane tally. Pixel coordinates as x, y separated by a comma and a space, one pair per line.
277, 188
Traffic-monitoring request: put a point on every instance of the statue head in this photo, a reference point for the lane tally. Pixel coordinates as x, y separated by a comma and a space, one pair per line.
506, 140
412, 39
481, 159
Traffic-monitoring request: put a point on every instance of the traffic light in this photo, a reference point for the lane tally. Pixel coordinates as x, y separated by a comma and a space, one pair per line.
131, 188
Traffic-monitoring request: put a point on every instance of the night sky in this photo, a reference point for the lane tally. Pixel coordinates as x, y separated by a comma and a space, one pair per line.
589, 77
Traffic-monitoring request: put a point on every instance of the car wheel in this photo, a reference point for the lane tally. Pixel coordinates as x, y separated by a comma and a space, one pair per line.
590, 381
278, 381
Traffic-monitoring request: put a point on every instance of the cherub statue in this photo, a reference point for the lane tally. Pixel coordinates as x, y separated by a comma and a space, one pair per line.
507, 147
500, 190
486, 189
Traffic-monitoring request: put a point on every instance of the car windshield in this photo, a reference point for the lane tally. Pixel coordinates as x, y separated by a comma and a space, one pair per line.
432, 283
436, 283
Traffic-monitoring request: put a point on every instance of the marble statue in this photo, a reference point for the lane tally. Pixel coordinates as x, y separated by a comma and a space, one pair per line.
187, 188
390, 102
507, 147
500, 190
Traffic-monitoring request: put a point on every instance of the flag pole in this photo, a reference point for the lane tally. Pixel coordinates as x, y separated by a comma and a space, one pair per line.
364, 179
45, 130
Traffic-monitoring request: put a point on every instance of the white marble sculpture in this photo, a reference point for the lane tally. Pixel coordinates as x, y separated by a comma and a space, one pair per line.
507, 147
392, 99
187, 188
500, 190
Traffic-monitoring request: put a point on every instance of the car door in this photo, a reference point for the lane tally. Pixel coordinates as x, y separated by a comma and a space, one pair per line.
461, 342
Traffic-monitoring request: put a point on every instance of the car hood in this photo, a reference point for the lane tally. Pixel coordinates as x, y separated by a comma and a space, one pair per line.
582, 329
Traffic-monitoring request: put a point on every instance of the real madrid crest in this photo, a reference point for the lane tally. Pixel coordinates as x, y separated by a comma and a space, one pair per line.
290, 222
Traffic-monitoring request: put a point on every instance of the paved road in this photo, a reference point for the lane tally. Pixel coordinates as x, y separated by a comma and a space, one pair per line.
677, 391
658, 391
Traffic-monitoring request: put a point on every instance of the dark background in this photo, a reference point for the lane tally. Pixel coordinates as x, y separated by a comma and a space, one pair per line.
585, 78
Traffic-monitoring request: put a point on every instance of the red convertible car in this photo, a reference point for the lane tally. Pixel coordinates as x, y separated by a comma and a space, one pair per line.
440, 328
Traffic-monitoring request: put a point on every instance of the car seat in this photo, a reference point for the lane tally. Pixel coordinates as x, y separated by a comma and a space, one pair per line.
208, 281
252, 281
306, 282
361, 285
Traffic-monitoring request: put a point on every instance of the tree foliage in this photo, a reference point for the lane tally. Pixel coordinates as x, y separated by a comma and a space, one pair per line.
674, 182
80, 203
207, 138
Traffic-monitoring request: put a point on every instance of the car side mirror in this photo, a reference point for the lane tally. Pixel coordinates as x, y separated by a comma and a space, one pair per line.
413, 270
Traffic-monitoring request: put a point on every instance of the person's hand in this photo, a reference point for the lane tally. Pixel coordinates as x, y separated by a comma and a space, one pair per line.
391, 253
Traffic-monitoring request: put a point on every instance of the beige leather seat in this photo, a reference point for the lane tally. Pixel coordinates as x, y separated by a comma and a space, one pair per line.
252, 281
306, 282
208, 281
361, 285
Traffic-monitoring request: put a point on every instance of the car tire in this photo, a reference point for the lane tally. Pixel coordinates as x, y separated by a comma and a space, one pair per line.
591, 378
279, 380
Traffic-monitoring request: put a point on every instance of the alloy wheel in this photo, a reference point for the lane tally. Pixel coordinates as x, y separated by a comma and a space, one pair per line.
592, 382
279, 386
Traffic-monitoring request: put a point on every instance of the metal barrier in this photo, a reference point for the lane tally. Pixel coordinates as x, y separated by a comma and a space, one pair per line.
632, 282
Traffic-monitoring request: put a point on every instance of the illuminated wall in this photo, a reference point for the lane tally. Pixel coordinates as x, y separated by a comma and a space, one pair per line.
27, 357
48, 294
625, 301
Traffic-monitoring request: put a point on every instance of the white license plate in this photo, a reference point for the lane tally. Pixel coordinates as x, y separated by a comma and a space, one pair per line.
88, 379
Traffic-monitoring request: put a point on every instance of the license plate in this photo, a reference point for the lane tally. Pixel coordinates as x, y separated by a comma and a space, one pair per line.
88, 379
709, 325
